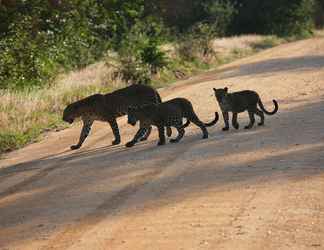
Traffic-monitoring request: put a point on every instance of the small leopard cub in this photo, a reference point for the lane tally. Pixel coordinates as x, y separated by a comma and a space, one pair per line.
241, 101
166, 114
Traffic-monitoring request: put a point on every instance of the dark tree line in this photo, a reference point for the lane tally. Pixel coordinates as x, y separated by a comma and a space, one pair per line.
38, 38
256, 16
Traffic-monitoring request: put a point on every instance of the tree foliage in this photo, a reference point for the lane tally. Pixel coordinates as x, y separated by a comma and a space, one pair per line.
280, 17
39, 38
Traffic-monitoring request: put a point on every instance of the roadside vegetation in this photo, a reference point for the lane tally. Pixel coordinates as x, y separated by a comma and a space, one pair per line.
57, 51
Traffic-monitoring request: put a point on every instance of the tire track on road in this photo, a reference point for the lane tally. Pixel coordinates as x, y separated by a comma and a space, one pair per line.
34, 178
74, 232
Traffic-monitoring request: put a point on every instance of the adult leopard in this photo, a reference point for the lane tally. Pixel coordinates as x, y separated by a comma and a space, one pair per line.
108, 107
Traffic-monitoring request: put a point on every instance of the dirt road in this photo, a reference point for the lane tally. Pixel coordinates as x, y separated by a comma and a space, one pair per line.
256, 189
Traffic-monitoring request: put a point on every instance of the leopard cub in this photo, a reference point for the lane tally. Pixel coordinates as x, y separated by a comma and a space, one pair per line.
166, 114
241, 101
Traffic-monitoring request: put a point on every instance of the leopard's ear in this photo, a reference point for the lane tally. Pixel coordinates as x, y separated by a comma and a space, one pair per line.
226, 89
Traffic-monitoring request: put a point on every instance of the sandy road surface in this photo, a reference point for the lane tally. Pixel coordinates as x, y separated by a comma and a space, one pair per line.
257, 189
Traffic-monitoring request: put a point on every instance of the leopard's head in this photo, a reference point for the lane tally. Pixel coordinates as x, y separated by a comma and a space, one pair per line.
220, 93
142, 113
71, 112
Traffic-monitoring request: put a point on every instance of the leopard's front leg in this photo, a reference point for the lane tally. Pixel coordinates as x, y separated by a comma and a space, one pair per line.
161, 135
115, 129
87, 123
140, 133
226, 118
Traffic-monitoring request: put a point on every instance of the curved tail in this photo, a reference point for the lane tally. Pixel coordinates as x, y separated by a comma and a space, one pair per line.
266, 111
213, 122
209, 124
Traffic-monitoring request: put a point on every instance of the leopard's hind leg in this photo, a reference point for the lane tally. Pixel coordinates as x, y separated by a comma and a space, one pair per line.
161, 135
115, 129
180, 128
168, 131
234, 121
181, 133
149, 130
147, 134
261, 115
251, 116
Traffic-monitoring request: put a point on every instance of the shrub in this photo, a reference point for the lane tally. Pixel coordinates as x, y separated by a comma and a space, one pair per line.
139, 53
20, 57
278, 17
198, 42
219, 15
293, 18
39, 38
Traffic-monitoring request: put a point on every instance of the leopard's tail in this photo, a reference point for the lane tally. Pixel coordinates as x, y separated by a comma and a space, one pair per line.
196, 120
266, 111
213, 122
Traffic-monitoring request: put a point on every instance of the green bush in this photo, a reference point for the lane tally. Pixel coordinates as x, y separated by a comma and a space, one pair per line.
39, 38
187, 47
139, 53
197, 43
219, 15
20, 57
293, 18
278, 17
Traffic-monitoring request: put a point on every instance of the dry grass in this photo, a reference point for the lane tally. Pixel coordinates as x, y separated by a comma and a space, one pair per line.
25, 115
319, 33
227, 44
